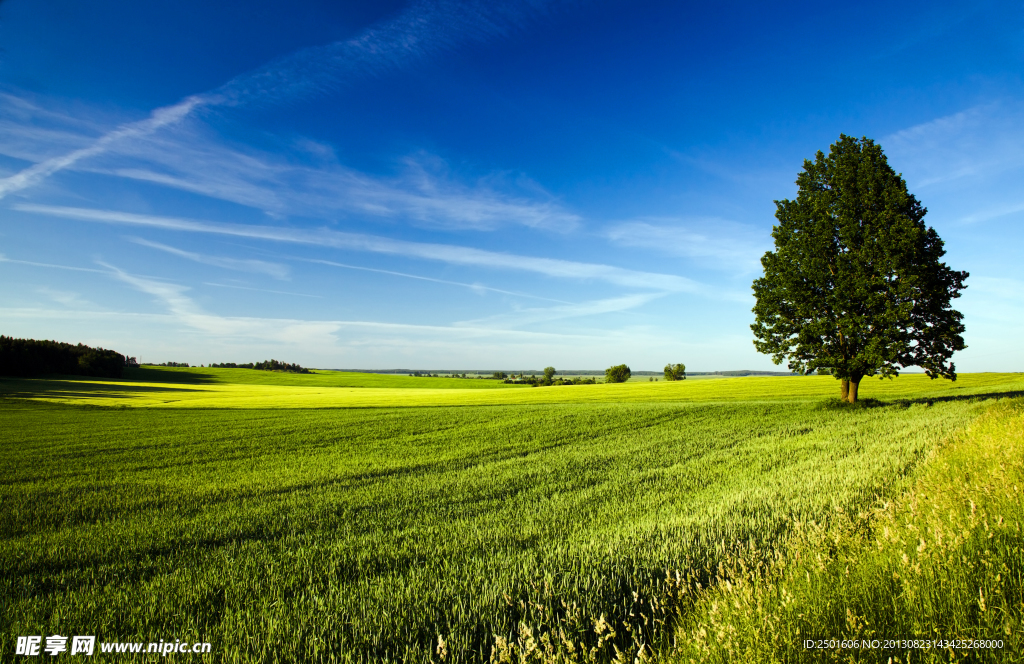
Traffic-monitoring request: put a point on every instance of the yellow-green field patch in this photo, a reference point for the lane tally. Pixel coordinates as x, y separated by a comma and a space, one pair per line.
317, 378
329, 391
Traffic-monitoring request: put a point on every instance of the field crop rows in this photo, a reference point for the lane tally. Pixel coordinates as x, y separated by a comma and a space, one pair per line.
419, 534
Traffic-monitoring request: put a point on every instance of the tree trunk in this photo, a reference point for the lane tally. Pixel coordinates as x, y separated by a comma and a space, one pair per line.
844, 389
854, 384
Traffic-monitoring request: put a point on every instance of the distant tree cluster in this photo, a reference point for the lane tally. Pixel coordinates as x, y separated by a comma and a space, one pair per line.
675, 371
546, 380
497, 375
617, 374
169, 364
274, 365
620, 373
267, 365
29, 357
549, 380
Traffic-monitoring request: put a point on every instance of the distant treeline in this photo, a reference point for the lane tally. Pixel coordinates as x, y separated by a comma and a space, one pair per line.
570, 372
29, 357
268, 365
741, 372
547, 379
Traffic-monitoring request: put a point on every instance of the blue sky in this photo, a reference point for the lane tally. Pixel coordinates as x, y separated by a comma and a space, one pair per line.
477, 184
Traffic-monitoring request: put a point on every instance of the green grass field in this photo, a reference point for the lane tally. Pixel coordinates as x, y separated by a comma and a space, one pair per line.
942, 562
392, 523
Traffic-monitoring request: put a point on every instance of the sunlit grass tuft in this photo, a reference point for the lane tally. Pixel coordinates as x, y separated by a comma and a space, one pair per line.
943, 562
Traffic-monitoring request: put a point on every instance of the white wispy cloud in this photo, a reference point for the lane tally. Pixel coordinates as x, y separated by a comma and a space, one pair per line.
422, 192
422, 30
979, 141
452, 254
276, 270
479, 288
72, 268
5, 259
67, 298
300, 178
29, 131
159, 118
260, 290
185, 311
715, 242
546, 314
993, 213
158, 337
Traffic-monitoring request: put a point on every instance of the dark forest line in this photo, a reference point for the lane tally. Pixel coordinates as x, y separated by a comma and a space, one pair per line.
31, 357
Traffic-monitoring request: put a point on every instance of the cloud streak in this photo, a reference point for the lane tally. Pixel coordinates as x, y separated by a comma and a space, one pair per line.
548, 314
474, 287
717, 242
187, 312
421, 193
261, 290
161, 117
276, 270
980, 141
423, 30
5, 259
297, 332
67, 298
993, 213
308, 182
452, 254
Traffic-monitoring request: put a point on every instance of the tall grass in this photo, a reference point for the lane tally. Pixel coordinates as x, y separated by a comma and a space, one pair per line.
418, 534
944, 562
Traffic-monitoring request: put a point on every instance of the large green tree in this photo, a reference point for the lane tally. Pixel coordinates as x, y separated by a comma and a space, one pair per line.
856, 286
620, 373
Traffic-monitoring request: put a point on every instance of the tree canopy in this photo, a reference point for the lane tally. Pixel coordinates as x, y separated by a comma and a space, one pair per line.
855, 286
675, 371
620, 373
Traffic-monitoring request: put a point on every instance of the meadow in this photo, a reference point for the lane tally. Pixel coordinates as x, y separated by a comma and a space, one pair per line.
245, 388
455, 524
